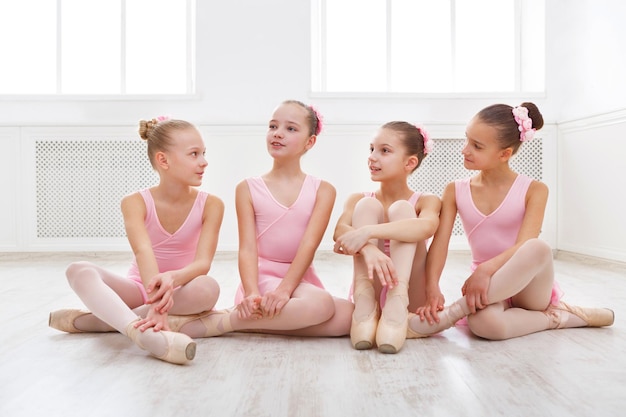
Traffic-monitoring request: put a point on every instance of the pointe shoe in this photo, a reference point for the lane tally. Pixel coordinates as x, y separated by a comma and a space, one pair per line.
177, 322
390, 337
410, 333
363, 333
594, 317
64, 320
213, 319
180, 347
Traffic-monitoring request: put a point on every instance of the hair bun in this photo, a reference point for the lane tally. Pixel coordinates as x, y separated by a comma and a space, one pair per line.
534, 114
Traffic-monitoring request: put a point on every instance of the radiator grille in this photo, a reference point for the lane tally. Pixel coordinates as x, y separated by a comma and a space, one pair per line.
445, 164
80, 184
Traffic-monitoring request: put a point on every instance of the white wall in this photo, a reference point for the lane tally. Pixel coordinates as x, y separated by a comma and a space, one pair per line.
586, 64
252, 55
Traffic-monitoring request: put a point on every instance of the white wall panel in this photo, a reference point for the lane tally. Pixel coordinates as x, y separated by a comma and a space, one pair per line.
592, 178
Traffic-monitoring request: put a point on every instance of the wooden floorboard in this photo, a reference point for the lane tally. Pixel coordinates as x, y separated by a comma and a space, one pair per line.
575, 372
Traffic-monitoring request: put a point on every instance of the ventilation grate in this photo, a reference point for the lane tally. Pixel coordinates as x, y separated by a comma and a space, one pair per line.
80, 184
445, 165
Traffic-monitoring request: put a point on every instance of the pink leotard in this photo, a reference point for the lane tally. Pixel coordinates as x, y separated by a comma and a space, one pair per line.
279, 230
172, 251
490, 235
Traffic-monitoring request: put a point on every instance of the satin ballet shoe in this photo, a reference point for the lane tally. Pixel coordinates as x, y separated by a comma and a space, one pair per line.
64, 320
363, 333
212, 320
390, 337
410, 333
177, 322
594, 317
180, 347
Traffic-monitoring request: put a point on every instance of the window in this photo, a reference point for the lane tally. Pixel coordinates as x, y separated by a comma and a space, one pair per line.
425, 46
97, 46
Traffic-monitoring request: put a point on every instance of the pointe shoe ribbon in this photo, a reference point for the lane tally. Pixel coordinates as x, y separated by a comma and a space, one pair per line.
180, 347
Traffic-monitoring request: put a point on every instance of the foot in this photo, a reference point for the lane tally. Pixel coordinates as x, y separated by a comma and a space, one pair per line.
363, 333
65, 320
390, 336
177, 322
216, 322
410, 333
179, 348
593, 317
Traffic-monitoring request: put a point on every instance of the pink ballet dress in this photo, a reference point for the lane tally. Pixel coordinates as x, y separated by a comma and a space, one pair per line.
279, 230
490, 235
172, 251
386, 245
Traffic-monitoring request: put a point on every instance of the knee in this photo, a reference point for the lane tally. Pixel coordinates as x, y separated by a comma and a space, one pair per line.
488, 326
321, 308
369, 205
207, 290
540, 250
327, 307
400, 209
75, 271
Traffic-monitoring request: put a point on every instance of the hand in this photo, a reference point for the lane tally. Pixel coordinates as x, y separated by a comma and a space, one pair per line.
273, 302
352, 242
377, 261
160, 290
250, 307
434, 303
475, 290
154, 319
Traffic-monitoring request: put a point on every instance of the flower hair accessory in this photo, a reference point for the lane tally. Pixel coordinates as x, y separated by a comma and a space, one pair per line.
527, 133
163, 118
320, 120
428, 143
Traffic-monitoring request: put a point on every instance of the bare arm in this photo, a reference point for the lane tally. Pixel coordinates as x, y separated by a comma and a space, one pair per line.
437, 255
248, 251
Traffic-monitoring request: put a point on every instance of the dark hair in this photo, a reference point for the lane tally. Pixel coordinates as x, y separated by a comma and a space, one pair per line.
314, 118
500, 116
412, 139
158, 134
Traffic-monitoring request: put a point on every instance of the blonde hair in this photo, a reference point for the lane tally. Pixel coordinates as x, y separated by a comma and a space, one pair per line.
159, 134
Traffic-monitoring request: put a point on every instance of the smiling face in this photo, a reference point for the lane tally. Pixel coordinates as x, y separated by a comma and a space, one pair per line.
388, 158
288, 132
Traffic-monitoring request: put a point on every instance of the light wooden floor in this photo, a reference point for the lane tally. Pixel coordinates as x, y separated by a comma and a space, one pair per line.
576, 372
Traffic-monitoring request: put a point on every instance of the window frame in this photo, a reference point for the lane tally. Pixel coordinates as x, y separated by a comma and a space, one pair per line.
318, 63
58, 95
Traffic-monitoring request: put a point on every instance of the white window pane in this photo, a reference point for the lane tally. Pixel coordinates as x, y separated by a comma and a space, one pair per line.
28, 47
356, 51
485, 45
421, 56
90, 62
533, 61
156, 48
